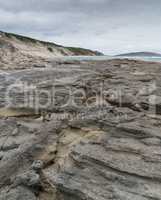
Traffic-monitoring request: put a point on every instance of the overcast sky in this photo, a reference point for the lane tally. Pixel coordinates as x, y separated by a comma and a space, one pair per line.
110, 26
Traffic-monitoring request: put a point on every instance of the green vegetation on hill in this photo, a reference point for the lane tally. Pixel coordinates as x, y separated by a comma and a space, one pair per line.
28, 39
81, 51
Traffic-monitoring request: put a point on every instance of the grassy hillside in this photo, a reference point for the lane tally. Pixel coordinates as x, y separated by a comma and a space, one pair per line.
49, 45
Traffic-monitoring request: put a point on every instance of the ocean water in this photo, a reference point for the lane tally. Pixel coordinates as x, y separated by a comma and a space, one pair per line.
97, 58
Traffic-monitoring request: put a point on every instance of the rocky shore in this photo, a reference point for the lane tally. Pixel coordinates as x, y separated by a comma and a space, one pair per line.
81, 131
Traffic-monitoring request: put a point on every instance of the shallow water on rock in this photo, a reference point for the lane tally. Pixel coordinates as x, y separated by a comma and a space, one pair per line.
99, 58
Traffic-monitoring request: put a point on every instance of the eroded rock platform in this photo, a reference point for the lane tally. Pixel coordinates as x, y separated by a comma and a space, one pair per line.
98, 138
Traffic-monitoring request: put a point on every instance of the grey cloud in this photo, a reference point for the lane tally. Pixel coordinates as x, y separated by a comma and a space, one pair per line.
53, 5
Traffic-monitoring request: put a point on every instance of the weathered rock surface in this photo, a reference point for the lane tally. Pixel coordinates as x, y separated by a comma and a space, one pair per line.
99, 138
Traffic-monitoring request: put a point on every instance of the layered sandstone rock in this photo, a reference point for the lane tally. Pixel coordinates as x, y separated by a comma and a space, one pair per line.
100, 139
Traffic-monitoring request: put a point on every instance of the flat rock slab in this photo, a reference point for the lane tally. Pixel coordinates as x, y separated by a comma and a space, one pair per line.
101, 139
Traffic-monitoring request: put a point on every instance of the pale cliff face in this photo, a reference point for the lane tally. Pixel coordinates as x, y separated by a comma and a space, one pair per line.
17, 51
